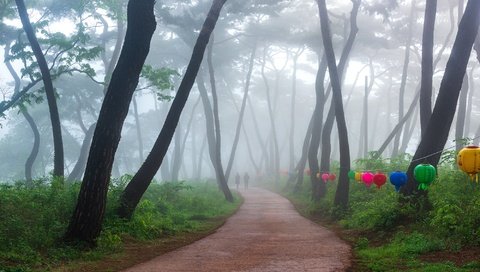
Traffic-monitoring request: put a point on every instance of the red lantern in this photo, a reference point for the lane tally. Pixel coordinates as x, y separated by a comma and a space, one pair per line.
367, 178
332, 177
379, 179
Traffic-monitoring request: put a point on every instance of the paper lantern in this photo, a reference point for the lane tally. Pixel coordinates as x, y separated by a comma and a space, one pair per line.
398, 179
468, 161
358, 177
332, 177
325, 177
379, 179
424, 174
367, 178
351, 174
317, 175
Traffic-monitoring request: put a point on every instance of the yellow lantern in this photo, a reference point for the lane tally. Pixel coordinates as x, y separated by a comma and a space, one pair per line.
468, 160
358, 177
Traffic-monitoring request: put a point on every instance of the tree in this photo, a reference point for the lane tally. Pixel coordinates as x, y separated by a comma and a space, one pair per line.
49, 90
436, 134
341, 195
86, 222
142, 179
427, 63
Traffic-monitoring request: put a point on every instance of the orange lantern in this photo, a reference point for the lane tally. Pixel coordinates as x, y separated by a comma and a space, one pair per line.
468, 160
358, 177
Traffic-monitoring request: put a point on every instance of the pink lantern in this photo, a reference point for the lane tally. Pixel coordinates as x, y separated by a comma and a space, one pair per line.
325, 177
367, 178
332, 177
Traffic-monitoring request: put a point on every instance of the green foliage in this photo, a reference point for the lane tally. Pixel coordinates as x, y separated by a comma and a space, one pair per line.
160, 79
33, 219
395, 234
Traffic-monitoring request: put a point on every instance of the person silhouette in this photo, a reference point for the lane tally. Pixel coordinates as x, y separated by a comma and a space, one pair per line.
237, 180
246, 177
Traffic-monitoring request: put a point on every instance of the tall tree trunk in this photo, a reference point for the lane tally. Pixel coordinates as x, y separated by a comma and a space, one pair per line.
79, 167
138, 129
87, 218
118, 46
470, 101
241, 114
177, 156
200, 157
318, 188
291, 137
302, 162
427, 63
216, 118
275, 165
461, 114
365, 119
436, 135
403, 83
58, 160
462, 103
257, 133
341, 195
185, 137
140, 182
341, 70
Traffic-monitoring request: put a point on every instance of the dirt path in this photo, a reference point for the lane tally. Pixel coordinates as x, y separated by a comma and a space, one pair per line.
266, 234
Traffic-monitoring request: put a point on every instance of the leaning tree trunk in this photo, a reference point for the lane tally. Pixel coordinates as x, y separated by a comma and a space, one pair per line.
427, 63
79, 167
302, 162
436, 134
241, 114
341, 195
142, 179
86, 222
58, 160
176, 156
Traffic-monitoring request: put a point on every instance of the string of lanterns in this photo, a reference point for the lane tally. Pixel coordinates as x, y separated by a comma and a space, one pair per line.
468, 160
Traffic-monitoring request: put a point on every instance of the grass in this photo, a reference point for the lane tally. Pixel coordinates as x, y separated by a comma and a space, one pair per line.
33, 220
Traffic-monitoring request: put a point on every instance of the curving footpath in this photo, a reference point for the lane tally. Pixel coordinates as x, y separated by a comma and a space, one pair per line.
266, 234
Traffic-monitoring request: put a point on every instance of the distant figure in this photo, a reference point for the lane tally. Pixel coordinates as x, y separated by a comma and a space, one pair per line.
237, 180
246, 177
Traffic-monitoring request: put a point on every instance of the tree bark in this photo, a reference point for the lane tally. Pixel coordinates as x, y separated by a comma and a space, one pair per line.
427, 63
291, 138
341, 195
140, 182
58, 160
438, 128
86, 222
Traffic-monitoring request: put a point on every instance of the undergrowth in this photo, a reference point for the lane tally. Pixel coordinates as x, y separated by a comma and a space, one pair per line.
388, 236
33, 219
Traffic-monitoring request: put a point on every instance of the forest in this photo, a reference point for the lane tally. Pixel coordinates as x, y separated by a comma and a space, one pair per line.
130, 128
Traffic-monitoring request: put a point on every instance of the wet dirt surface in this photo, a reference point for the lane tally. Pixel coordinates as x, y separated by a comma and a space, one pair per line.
266, 234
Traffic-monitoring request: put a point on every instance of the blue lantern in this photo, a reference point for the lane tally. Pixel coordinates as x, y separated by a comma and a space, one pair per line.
398, 179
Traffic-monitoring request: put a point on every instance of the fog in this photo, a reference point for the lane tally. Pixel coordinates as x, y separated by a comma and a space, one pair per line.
286, 41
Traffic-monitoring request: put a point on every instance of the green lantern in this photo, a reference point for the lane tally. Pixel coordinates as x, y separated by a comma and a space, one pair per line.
351, 174
424, 174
